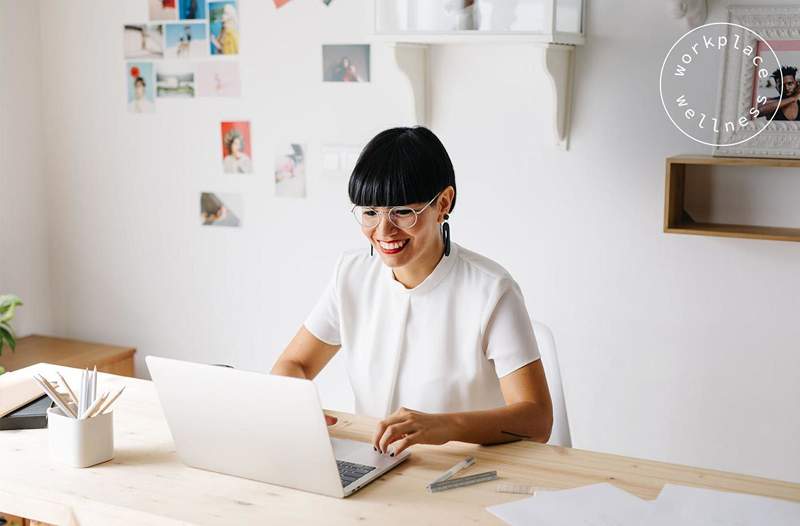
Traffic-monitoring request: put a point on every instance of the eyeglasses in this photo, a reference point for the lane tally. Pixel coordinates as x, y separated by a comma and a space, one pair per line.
399, 216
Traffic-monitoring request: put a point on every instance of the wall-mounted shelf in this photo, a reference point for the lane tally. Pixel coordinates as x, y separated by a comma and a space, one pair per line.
678, 221
550, 28
481, 37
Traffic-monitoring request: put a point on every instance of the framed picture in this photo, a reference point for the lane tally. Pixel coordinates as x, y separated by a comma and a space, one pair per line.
345, 62
771, 87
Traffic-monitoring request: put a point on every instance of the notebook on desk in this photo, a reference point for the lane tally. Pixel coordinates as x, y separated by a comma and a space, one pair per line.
32, 415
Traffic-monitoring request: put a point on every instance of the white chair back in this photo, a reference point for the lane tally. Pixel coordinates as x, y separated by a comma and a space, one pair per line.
547, 349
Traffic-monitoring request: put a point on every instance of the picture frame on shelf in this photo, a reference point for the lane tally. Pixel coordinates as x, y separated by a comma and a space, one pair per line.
741, 87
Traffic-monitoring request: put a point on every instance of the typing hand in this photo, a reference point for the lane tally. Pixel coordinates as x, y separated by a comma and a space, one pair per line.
405, 427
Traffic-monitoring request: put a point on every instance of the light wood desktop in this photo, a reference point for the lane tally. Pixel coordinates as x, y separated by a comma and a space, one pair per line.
145, 483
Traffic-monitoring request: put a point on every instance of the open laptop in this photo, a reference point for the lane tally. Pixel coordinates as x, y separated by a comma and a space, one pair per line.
262, 427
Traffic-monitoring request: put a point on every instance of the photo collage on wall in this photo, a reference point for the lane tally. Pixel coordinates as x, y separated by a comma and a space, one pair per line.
190, 48
174, 55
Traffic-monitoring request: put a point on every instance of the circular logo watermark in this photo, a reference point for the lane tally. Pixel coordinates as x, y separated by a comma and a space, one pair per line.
691, 91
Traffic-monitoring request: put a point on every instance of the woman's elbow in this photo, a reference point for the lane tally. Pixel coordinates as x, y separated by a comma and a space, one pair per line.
541, 423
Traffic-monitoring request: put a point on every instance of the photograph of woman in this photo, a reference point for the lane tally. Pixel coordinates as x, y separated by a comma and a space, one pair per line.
224, 26
345, 63
140, 91
236, 148
437, 338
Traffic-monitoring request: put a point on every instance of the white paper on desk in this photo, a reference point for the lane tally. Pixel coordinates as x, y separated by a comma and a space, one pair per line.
593, 505
705, 507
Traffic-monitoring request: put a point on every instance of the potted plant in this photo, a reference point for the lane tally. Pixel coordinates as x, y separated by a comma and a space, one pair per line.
8, 304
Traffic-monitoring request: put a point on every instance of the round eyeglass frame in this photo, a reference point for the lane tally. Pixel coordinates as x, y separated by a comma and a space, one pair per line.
388, 213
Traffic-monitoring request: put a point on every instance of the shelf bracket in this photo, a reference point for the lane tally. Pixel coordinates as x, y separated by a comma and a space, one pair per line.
412, 61
559, 64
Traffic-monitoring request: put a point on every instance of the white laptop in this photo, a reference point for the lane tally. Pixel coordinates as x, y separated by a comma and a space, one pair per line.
262, 427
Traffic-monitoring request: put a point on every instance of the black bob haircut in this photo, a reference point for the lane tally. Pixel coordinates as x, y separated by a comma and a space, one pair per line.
401, 166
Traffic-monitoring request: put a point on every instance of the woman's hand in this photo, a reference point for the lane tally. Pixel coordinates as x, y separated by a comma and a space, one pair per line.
330, 420
405, 427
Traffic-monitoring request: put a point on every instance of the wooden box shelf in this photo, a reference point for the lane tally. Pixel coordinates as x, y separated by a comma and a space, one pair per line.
678, 221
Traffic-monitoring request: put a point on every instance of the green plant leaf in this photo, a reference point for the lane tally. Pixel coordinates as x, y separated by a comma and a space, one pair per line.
5, 335
8, 304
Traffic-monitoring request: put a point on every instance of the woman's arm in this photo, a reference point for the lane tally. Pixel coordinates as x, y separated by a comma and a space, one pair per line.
305, 356
528, 414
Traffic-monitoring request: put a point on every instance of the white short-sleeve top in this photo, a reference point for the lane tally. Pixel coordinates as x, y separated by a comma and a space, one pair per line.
439, 347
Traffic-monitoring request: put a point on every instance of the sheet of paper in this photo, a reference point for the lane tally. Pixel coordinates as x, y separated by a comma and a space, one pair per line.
704, 507
594, 505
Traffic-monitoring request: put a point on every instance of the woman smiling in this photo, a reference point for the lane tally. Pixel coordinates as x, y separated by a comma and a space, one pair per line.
437, 338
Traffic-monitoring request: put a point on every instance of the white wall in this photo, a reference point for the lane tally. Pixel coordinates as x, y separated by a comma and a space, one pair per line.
23, 211
676, 348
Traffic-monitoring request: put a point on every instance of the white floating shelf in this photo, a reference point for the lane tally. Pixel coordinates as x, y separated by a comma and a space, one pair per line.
551, 29
479, 37
410, 54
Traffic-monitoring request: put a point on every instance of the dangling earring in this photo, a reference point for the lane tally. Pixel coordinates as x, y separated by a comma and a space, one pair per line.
446, 235
371, 250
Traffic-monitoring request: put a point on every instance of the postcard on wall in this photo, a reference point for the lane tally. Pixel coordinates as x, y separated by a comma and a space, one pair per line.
290, 171
223, 20
186, 40
192, 9
345, 63
163, 9
175, 80
221, 209
141, 87
218, 78
143, 41
237, 156
339, 160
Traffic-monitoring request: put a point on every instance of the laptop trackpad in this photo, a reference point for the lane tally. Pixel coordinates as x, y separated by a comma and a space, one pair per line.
360, 453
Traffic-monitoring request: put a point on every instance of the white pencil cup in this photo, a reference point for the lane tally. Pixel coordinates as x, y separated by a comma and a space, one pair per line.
80, 443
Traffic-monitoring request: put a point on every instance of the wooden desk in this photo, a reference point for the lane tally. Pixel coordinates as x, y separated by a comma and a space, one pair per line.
146, 484
72, 353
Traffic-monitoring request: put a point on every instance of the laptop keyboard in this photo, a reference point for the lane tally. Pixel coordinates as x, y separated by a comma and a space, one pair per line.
350, 472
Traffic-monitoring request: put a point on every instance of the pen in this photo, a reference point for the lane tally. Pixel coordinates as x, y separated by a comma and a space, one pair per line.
464, 464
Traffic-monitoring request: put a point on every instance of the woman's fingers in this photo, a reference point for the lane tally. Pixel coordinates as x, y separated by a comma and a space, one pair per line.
395, 432
394, 418
330, 420
400, 445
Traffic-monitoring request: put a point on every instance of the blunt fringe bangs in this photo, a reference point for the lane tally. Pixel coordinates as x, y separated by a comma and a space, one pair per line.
400, 166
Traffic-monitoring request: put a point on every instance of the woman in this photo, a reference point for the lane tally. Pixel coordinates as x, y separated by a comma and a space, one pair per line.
227, 42
437, 338
139, 102
236, 161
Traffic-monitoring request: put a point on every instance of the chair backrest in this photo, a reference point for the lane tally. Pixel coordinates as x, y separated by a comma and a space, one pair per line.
547, 349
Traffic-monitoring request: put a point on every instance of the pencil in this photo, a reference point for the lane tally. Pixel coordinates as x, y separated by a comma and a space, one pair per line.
92, 408
54, 396
69, 390
108, 404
